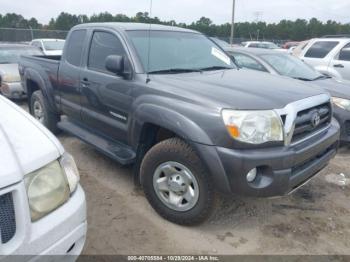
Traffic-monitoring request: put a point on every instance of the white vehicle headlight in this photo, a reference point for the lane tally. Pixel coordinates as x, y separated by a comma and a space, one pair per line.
341, 102
51, 186
253, 127
71, 171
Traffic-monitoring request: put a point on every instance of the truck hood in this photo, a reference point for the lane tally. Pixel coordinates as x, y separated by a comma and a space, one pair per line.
10, 70
25, 144
237, 89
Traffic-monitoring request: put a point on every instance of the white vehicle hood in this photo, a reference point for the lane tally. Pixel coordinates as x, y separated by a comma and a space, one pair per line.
25, 145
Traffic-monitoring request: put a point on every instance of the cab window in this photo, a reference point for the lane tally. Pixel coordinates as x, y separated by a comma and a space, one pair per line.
75, 47
344, 54
103, 44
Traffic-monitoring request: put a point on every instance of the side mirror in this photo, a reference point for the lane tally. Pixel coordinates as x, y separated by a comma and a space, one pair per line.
115, 64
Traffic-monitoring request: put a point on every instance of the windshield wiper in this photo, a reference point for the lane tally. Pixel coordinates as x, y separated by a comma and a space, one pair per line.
321, 77
312, 79
212, 68
175, 71
303, 78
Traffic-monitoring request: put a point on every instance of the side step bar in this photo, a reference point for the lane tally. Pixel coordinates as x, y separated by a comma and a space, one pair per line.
117, 151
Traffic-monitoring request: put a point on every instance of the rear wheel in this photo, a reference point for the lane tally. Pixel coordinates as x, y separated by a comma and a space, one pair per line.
40, 110
176, 183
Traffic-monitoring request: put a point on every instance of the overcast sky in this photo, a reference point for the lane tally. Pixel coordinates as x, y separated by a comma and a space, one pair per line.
187, 10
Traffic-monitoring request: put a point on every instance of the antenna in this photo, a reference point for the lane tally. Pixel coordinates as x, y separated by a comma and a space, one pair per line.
149, 41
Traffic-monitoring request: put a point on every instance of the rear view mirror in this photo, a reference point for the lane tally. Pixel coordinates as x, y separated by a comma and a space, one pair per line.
115, 64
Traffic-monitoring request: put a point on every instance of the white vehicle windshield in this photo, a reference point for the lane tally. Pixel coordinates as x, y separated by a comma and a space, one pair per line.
291, 66
177, 52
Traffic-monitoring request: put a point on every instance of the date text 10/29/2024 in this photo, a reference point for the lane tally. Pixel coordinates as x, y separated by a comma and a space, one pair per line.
173, 258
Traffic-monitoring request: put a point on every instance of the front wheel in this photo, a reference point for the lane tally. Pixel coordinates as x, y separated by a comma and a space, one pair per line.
176, 183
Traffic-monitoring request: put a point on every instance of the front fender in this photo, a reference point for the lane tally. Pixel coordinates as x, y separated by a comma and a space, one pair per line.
168, 119
187, 130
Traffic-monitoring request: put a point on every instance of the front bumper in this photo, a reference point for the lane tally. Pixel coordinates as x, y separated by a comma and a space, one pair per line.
62, 232
13, 90
343, 118
280, 170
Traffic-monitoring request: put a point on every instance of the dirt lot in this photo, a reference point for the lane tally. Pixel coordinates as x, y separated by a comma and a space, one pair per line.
314, 220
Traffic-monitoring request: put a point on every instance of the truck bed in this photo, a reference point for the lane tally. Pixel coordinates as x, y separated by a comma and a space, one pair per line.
44, 68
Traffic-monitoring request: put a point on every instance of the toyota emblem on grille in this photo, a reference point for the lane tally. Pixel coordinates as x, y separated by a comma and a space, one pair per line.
315, 119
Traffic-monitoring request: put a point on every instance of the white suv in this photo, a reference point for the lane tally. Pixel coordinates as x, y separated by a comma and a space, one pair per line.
42, 205
330, 56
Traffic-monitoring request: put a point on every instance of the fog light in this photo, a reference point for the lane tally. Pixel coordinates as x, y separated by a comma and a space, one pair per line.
251, 175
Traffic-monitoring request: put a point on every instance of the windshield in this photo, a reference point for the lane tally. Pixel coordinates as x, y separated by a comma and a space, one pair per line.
178, 50
12, 55
53, 45
291, 66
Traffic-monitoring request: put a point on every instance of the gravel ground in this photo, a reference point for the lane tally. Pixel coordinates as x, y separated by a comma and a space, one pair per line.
313, 220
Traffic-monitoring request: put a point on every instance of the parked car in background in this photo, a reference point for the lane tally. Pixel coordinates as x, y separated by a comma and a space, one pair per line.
42, 205
189, 120
330, 56
290, 44
299, 48
10, 81
50, 47
286, 65
258, 44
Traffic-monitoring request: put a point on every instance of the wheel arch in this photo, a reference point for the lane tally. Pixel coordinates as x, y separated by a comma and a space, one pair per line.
33, 81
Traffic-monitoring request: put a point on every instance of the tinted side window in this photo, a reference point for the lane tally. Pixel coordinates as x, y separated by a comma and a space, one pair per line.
344, 54
321, 49
74, 48
248, 62
103, 44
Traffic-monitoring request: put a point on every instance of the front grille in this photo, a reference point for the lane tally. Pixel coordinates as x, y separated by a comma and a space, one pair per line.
7, 218
304, 125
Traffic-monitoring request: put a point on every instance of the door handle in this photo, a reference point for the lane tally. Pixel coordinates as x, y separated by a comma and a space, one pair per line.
339, 66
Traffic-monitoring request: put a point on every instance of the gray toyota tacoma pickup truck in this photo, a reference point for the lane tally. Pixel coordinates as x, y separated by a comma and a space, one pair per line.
170, 101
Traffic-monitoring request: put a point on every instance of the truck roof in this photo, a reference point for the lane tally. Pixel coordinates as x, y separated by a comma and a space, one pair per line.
135, 26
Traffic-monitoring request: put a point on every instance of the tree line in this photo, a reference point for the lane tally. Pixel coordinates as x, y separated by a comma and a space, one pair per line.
297, 30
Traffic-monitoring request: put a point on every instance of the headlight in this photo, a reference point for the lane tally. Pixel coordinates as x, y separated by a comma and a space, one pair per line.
71, 171
51, 186
341, 102
11, 78
253, 127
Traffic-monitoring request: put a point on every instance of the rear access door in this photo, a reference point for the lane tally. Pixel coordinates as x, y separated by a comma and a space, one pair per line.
69, 82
